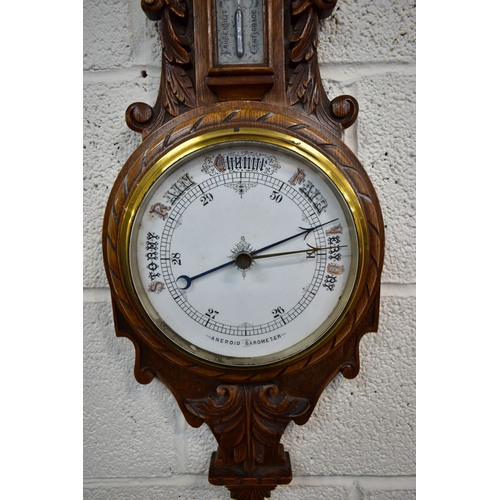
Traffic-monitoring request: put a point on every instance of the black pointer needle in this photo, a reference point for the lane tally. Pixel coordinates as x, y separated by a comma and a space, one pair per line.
189, 280
255, 252
311, 250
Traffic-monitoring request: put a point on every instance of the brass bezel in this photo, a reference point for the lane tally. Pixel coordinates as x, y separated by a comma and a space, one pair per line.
244, 134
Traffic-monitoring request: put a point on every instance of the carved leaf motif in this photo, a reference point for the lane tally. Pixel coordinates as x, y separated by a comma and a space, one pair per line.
326, 6
224, 414
304, 82
303, 86
221, 410
298, 6
272, 413
305, 36
173, 40
239, 415
178, 7
178, 89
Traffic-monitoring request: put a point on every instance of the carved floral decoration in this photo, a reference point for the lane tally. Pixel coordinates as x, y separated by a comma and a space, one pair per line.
176, 90
248, 422
305, 84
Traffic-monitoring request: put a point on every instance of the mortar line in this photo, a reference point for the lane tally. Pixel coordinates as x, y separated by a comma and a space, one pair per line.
121, 74
367, 483
92, 295
346, 72
180, 438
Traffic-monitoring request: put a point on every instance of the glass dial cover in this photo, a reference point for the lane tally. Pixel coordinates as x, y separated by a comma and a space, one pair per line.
243, 253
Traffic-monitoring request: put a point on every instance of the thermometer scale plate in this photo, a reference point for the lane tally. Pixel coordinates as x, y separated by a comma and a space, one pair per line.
240, 32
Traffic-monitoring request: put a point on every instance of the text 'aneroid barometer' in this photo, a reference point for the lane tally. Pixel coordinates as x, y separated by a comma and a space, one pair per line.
243, 241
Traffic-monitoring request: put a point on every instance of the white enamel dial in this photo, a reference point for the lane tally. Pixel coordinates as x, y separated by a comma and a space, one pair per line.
243, 253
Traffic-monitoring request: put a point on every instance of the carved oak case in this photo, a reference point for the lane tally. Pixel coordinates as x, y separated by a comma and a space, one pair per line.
279, 94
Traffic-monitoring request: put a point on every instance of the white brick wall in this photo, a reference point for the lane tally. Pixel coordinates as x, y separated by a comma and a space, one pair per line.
360, 442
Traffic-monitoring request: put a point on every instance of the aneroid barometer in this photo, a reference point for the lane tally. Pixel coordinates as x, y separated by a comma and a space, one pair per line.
243, 241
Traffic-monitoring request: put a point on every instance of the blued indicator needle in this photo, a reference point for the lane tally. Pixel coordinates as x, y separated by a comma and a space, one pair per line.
184, 281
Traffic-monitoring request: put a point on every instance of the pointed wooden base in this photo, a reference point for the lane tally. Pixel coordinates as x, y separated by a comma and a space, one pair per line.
264, 478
